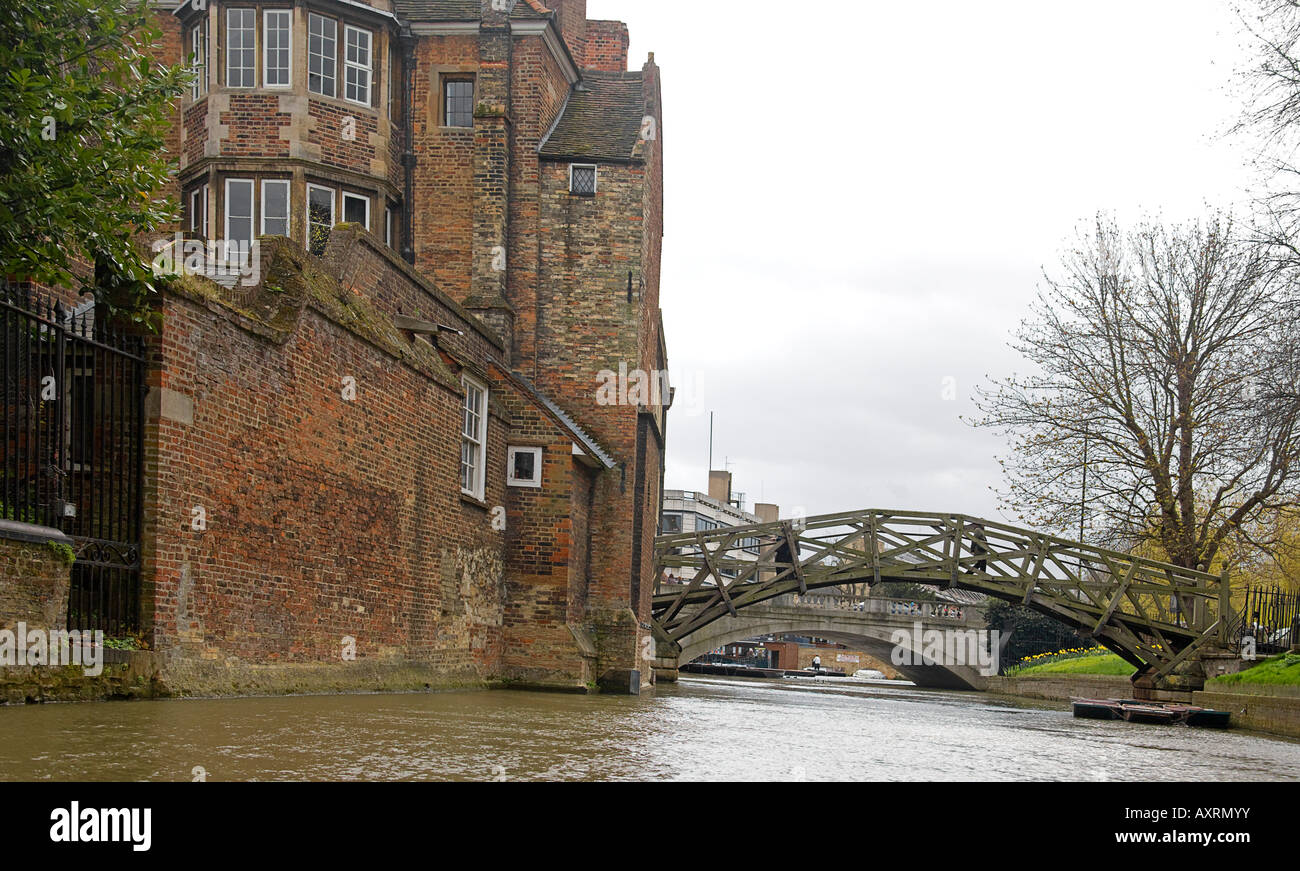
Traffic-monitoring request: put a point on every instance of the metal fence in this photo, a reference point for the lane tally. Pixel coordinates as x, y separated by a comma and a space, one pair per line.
1271, 616
72, 419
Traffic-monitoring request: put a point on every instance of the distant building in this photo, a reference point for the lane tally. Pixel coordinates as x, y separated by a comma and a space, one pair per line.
692, 511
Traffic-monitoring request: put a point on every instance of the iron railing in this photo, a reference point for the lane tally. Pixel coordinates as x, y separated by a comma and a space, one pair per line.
72, 419
1271, 616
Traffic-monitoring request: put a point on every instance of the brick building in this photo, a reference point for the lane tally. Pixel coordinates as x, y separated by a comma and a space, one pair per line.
383, 463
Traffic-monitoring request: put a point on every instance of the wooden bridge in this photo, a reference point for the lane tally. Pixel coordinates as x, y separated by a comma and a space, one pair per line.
1157, 616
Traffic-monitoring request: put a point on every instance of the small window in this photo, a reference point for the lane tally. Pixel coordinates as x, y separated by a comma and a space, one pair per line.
524, 467
322, 54
199, 211
388, 227
275, 207
356, 65
473, 438
320, 217
241, 47
672, 523
582, 180
356, 210
239, 218
276, 48
199, 59
458, 103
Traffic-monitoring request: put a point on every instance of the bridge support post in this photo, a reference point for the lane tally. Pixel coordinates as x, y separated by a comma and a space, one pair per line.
667, 657
665, 668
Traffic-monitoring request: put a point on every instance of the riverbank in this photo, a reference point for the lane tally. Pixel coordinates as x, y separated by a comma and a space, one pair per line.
1259, 707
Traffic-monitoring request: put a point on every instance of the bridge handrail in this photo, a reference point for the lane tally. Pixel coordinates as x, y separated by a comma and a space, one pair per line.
924, 609
665, 543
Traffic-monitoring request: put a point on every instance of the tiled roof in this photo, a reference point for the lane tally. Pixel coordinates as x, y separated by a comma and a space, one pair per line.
602, 120
462, 10
438, 10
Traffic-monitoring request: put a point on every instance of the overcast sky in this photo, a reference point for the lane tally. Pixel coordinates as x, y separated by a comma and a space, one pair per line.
861, 199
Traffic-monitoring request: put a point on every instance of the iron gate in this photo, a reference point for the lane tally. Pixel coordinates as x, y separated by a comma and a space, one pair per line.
73, 427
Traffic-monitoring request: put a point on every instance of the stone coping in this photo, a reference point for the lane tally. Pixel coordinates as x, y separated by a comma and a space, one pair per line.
16, 530
1281, 691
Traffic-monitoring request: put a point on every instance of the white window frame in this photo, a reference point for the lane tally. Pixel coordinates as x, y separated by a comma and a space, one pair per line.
332, 57
229, 53
199, 58
288, 206
595, 177
307, 206
511, 480
267, 16
478, 439
350, 66
199, 210
252, 216
348, 195
388, 226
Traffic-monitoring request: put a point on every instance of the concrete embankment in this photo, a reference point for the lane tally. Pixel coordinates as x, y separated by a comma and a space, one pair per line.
1261, 707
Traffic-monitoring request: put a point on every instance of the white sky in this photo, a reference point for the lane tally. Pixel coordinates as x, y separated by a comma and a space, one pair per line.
861, 199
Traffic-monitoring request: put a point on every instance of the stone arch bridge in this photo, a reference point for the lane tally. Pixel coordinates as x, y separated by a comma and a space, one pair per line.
871, 624
1162, 618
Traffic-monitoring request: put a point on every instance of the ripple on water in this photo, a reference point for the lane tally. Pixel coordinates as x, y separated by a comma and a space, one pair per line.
700, 729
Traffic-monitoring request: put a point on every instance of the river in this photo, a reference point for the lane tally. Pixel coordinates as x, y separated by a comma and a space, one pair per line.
700, 729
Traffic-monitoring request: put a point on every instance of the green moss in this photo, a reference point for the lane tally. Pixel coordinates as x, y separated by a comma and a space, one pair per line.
63, 551
1281, 670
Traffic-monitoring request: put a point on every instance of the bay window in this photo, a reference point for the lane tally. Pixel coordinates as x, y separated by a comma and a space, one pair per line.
320, 217
277, 51
356, 65
241, 48
275, 207
322, 54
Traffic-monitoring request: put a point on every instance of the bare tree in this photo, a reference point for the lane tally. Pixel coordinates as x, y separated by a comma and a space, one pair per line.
1271, 114
1168, 356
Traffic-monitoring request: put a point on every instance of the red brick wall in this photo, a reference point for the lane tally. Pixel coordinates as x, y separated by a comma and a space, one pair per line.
254, 125
546, 548
326, 132
444, 172
540, 91
571, 15
606, 48
325, 517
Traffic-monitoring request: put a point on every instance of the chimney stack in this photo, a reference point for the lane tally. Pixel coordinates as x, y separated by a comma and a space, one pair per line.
720, 486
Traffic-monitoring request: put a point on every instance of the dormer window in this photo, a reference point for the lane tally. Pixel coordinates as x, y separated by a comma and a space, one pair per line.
582, 179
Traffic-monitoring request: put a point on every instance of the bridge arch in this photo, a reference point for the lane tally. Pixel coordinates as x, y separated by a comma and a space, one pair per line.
877, 639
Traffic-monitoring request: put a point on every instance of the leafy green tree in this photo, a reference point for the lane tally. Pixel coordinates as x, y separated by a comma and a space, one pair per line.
84, 110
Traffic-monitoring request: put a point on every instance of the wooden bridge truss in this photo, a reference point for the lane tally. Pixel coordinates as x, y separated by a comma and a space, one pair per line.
1154, 615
